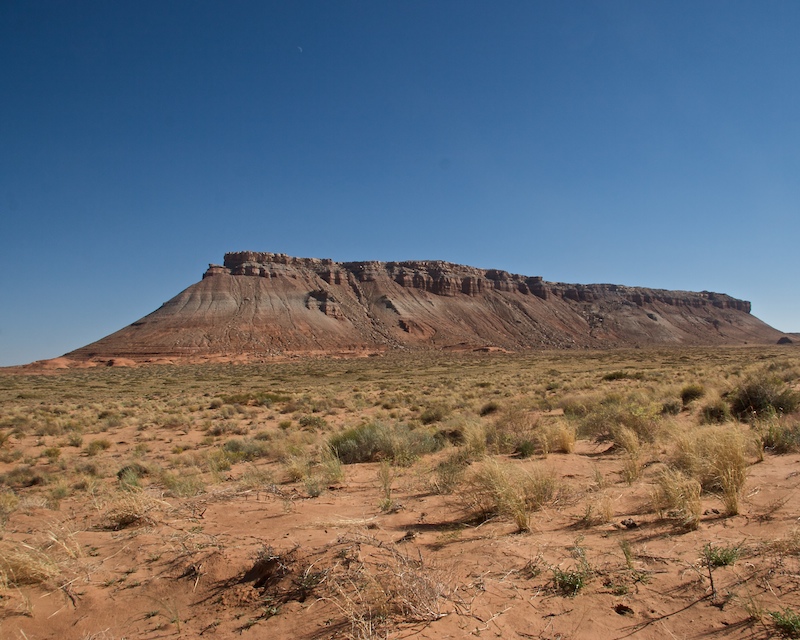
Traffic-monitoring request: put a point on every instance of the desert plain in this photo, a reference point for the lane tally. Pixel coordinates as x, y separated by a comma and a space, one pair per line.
639, 493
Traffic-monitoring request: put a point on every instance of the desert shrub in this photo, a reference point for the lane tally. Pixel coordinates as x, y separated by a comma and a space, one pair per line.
717, 457
676, 495
622, 375
183, 485
787, 622
720, 556
780, 435
96, 446
489, 408
8, 504
217, 460
386, 589
75, 439
545, 438
377, 441
246, 449
49, 428
130, 508
512, 427
474, 439
251, 398
24, 476
449, 473
671, 407
598, 417
575, 406
435, 413
715, 411
254, 478
560, 436
762, 395
227, 428
692, 392
297, 467
526, 448
330, 467
312, 422
507, 490
627, 440
52, 453
570, 582
131, 474
57, 493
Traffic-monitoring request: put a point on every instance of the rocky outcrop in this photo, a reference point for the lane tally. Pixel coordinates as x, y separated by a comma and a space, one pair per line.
265, 304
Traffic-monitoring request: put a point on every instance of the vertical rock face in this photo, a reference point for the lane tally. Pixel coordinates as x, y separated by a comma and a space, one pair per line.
263, 304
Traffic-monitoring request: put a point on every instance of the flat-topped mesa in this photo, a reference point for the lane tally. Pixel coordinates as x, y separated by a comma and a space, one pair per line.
641, 296
435, 276
260, 305
450, 280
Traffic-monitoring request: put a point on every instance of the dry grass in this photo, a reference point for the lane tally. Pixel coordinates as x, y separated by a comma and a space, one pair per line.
23, 564
496, 489
718, 458
131, 508
374, 585
67, 437
677, 496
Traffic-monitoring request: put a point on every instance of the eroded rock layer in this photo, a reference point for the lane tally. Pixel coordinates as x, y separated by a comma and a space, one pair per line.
268, 304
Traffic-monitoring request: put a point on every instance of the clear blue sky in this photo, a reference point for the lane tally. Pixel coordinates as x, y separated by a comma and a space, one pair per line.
633, 142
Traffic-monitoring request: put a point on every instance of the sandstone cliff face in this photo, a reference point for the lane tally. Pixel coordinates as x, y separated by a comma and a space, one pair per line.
267, 304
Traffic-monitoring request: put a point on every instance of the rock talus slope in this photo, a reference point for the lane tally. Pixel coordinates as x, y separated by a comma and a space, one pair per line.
265, 304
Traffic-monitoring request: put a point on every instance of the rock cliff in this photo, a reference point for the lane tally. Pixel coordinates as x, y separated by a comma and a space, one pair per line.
267, 304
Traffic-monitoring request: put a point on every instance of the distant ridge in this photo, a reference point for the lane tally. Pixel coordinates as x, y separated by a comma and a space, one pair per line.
262, 305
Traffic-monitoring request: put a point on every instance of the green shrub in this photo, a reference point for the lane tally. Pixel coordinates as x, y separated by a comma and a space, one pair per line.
312, 422
569, 583
602, 417
24, 476
434, 414
376, 441
96, 446
692, 392
130, 474
671, 408
489, 408
246, 449
787, 622
720, 556
715, 412
52, 453
526, 448
512, 427
183, 485
781, 436
621, 375
761, 396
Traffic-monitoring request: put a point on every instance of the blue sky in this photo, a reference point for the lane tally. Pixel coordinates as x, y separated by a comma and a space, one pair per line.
634, 142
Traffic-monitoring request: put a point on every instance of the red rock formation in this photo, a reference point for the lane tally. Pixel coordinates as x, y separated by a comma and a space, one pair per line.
267, 304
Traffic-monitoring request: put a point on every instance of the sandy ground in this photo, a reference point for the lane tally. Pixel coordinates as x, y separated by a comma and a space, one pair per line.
190, 567
267, 560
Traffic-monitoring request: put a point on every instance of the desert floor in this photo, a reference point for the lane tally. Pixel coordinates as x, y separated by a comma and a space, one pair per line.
575, 494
